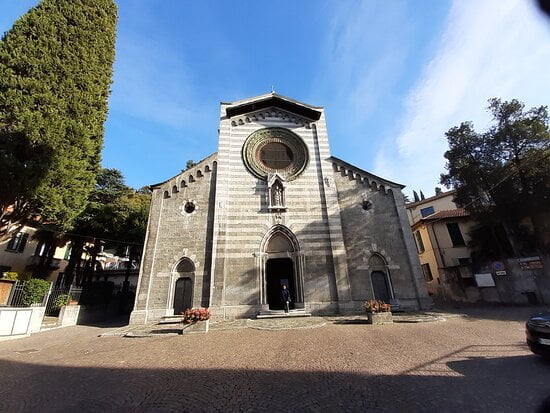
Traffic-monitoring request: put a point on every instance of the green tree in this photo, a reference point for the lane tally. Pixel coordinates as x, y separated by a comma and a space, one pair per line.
502, 175
115, 213
55, 71
109, 186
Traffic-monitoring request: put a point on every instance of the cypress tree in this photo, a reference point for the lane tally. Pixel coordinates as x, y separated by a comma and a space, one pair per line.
55, 75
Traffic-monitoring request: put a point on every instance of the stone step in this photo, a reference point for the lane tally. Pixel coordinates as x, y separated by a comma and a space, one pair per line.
281, 314
171, 319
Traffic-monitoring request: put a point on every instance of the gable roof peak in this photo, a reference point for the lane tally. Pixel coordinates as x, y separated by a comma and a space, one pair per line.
268, 100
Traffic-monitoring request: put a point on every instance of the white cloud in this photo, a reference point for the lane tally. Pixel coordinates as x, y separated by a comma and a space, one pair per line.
488, 49
363, 56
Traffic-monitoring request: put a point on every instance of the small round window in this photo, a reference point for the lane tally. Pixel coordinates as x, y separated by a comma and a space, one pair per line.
189, 207
276, 155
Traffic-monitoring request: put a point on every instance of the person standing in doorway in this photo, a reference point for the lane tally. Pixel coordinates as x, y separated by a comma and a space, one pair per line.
285, 298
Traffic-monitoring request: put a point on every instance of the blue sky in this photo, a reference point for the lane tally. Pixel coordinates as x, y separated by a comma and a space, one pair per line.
392, 76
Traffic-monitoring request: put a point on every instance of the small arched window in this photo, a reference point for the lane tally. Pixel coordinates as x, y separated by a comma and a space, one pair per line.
174, 189
166, 194
199, 174
191, 179
183, 184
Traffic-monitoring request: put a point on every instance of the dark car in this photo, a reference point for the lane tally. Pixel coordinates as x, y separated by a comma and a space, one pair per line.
537, 330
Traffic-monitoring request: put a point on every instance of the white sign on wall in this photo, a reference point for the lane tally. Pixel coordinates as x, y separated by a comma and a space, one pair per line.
484, 280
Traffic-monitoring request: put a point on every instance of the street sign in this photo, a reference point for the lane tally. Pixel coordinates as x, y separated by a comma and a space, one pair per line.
530, 263
498, 266
484, 280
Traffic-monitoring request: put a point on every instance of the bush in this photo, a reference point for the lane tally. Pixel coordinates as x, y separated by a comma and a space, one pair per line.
376, 306
34, 291
61, 300
192, 315
10, 275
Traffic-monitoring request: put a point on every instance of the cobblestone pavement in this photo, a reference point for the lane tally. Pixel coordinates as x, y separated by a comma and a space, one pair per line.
283, 323
466, 364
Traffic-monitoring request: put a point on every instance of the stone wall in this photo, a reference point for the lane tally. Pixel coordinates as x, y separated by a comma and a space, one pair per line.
172, 234
242, 218
372, 224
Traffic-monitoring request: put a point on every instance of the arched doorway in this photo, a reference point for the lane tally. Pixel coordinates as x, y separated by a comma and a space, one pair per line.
183, 290
282, 265
380, 279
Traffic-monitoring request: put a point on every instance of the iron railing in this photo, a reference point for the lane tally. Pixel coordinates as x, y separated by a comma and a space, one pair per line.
17, 295
48, 301
51, 308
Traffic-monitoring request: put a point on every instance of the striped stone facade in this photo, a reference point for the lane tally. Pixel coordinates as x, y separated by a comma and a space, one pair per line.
337, 219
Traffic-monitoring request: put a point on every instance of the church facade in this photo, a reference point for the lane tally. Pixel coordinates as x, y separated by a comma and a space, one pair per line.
273, 207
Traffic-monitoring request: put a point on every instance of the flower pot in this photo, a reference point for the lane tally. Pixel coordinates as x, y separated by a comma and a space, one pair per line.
380, 318
197, 327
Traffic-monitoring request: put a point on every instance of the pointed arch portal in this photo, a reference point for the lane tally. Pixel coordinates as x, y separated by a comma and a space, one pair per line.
380, 278
280, 262
184, 277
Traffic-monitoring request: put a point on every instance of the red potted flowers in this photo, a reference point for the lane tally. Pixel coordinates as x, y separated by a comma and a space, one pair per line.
195, 320
378, 312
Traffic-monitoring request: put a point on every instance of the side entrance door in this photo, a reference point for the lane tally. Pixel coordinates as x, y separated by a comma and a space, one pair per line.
183, 296
380, 286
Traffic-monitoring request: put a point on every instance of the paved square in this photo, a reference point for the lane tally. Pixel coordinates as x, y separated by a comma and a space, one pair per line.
478, 363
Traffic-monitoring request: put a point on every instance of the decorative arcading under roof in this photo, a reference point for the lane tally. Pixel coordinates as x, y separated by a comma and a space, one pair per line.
270, 113
363, 177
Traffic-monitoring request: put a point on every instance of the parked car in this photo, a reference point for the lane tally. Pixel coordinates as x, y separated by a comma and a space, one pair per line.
537, 330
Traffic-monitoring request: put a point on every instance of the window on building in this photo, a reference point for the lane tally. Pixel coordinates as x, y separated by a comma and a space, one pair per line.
419, 243
40, 249
455, 234
17, 242
427, 211
68, 250
427, 272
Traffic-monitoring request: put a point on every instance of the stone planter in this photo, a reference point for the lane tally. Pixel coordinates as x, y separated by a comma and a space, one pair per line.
380, 318
68, 315
5, 290
198, 327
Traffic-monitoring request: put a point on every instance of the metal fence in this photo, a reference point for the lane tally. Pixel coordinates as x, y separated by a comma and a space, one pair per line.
18, 293
51, 308
48, 301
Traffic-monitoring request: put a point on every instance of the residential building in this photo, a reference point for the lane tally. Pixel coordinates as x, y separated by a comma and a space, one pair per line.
23, 252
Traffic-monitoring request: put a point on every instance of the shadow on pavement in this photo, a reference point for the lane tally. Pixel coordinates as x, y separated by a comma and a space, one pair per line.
104, 320
516, 383
351, 321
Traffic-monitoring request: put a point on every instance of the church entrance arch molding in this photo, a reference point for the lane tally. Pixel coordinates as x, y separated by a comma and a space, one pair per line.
280, 261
